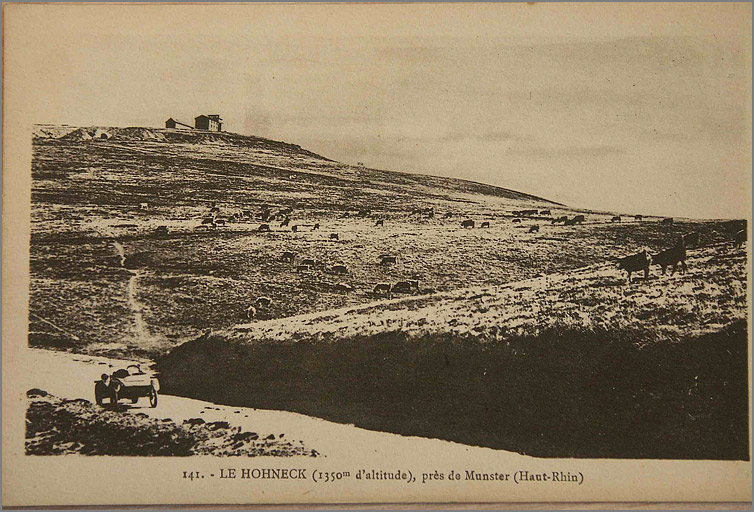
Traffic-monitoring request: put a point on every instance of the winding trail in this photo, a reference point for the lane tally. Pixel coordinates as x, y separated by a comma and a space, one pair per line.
141, 329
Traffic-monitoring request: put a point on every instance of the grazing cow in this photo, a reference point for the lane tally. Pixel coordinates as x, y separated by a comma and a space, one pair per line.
636, 263
447, 215
339, 269
414, 283
251, 312
578, 219
289, 256
402, 287
263, 302
316, 227
740, 238
485, 224
263, 227
672, 257
667, 221
380, 223
285, 222
385, 259
691, 239
303, 268
343, 287
616, 218
545, 212
517, 221
308, 261
208, 220
294, 228
143, 206
161, 231
639, 217
468, 223
562, 219
534, 229
382, 288
334, 236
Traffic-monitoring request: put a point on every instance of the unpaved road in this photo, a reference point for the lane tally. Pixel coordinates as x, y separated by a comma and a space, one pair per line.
72, 376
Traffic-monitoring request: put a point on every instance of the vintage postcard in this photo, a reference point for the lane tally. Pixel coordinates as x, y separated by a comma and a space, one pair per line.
376, 253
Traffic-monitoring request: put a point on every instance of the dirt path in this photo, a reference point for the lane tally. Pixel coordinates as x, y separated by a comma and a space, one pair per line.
72, 376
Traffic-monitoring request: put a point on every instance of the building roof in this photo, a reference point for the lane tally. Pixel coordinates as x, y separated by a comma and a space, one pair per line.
214, 117
176, 121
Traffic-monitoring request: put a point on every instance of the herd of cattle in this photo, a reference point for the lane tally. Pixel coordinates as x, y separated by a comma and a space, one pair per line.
674, 256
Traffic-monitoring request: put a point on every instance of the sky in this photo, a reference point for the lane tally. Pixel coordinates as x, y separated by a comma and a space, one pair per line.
634, 108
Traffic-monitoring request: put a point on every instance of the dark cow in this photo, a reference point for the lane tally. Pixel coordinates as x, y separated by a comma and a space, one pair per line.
385, 259
339, 269
303, 268
263, 227
672, 257
485, 224
285, 222
636, 263
294, 228
402, 287
208, 220
343, 287
316, 227
740, 238
667, 221
447, 215
161, 231
639, 217
517, 221
251, 312
382, 288
534, 229
414, 283
289, 256
616, 218
334, 236
578, 219
691, 239
468, 223
563, 219
380, 223
263, 302
308, 261
545, 212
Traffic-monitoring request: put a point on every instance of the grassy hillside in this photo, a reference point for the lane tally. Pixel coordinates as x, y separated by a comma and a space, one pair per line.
86, 206
579, 364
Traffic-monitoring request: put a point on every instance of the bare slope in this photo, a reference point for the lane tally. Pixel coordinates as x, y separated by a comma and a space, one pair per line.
578, 364
93, 198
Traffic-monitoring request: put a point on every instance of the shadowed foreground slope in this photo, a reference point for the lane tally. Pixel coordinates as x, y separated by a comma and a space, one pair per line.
577, 365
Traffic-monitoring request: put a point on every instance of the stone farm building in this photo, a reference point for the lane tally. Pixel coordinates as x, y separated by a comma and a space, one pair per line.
212, 122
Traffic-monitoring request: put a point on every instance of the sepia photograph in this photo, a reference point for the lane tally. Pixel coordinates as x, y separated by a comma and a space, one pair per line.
372, 253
